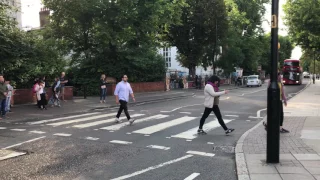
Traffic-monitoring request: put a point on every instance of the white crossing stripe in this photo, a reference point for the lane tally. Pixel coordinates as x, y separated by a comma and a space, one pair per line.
91, 138
3, 128
80, 126
82, 119
192, 133
152, 168
62, 134
37, 132
162, 126
158, 147
232, 115
192, 176
62, 118
200, 153
18, 129
120, 142
210, 143
121, 125
185, 112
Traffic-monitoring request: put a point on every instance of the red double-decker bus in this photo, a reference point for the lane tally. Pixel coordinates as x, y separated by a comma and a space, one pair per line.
292, 72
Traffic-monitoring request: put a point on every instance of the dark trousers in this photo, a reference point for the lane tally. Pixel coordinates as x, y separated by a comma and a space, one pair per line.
43, 101
3, 107
103, 94
123, 106
281, 113
217, 112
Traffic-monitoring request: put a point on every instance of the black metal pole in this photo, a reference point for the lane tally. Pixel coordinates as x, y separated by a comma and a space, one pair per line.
314, 66
273, 115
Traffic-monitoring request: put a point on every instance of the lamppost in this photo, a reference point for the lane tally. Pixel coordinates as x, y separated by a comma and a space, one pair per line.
273, 114
314, 66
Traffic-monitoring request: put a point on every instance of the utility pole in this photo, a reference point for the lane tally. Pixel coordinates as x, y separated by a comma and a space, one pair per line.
273, 114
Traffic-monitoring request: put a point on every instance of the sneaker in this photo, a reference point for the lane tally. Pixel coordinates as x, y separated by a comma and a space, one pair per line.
282, 130
104, 101
131, 121
200, 131
228, 131
118, 120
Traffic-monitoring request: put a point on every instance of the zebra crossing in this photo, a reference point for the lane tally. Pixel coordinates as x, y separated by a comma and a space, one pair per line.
144, 124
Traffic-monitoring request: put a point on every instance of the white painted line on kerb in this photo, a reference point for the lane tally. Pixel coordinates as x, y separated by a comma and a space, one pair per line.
192, 176
121, 125
62, 118
231, 115
82, 119
259, 112
37, 132
162, 126
31, 140
192, 133
62, 134
120, 142
158, 147
200, 153
18, 130
3, 128
95, 123
152, 168
91, 138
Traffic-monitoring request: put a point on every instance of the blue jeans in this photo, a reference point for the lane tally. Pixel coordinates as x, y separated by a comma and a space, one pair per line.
8, 104
103, 94
3, 107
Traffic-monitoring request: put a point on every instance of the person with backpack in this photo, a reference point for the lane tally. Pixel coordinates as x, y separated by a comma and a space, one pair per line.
211, 103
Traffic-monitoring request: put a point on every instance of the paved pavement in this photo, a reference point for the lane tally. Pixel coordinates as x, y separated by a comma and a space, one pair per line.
162, 143
299, 149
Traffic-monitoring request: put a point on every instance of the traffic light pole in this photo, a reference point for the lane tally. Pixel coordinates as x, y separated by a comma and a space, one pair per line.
273, 114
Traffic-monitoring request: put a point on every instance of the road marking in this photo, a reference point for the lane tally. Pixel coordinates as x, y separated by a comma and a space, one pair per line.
121, 125
128, 133
200, 153
82, 119
80, 126
168, 137
92, 138
37, 132
232, 115
3, 128
152, 168
252, 117
210, 143
192, 133
158, 147
18, 130
185, 112
182, 107
62, 118
120, 142
248, 120
162, 126
189, 140
31, 140
62, 134
147, 135
192, 176
259, 112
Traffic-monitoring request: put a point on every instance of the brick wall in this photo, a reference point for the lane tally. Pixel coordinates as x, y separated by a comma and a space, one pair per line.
140, 87
25, 96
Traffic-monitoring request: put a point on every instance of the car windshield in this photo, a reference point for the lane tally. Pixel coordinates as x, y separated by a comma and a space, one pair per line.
252, 77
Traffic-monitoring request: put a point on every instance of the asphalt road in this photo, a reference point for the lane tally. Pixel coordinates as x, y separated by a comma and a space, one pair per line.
161, 145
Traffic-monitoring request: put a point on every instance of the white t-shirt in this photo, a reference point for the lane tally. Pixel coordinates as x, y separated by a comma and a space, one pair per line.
10, 89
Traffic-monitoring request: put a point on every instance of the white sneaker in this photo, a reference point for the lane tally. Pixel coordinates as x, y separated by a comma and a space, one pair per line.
118, 120
131, 121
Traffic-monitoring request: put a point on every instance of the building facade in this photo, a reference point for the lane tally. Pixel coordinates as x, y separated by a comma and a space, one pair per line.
15, 13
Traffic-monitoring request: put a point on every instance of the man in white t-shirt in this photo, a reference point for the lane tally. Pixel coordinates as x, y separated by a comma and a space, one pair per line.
9, 95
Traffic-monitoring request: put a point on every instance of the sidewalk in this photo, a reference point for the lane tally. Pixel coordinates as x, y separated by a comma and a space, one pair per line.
299, 149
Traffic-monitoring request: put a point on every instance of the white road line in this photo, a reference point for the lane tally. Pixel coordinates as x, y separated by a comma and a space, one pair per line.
18, 130
248, 120
92, 138
210, 143
120, 142
185, 112
62, 118
192, 176
80, 126
252, 117
192, 133
82, 119
3, 128
121, 125
31, 140
62, 134
200, 153
158, 147
259, 112
232, 115
189, 140
182, 107
37, 132
162, 126
152, 168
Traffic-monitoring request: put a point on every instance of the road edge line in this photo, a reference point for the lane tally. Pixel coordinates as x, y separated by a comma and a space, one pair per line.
307, 86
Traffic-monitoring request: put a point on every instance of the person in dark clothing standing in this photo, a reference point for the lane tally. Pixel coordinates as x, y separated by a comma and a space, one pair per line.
122, 91
103, 88
211, 102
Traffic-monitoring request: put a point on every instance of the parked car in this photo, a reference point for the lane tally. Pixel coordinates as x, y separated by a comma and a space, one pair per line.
253, 80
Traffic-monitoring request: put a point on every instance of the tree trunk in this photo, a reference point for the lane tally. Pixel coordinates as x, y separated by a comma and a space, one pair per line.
192, 70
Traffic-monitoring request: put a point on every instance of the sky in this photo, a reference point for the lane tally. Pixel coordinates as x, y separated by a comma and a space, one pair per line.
30, 18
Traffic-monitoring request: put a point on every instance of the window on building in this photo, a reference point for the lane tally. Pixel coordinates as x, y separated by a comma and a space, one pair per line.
167, 56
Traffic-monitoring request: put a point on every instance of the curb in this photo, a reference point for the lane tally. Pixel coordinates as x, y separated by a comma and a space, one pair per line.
241, 164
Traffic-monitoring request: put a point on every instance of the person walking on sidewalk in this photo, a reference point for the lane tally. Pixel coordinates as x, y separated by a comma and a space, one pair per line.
122, 92
211, 102
3, 94
103, 88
